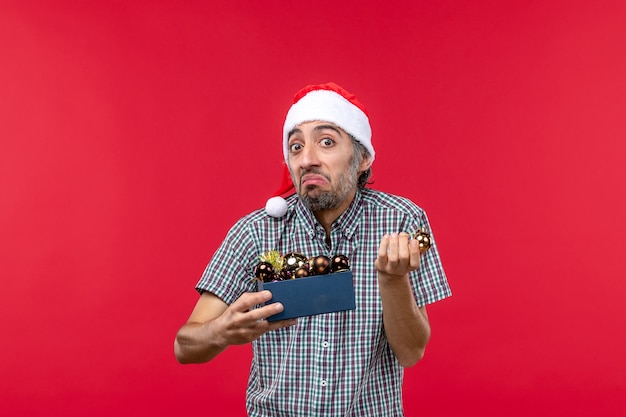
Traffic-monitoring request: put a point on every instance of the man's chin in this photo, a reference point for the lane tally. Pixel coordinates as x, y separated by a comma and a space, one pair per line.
312, 191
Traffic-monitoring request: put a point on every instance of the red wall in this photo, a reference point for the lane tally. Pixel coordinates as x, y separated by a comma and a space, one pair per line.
133, 134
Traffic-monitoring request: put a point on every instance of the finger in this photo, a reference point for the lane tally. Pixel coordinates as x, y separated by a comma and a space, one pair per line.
264, 312
393, 249
383, 248
403, 246
381, 260
281, 323
250, 299
415, 254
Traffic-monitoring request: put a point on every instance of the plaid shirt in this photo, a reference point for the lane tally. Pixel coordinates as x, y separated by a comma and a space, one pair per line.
336, 364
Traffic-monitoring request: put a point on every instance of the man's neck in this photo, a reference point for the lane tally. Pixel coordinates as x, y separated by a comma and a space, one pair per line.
328, 217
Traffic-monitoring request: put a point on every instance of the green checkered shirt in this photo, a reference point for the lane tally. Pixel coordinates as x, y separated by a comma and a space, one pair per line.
336, 364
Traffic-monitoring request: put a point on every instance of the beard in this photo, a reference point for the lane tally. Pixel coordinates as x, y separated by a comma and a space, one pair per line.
316, 200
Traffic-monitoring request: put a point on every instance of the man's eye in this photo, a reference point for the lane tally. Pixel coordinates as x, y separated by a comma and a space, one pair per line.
294, 147
327, 142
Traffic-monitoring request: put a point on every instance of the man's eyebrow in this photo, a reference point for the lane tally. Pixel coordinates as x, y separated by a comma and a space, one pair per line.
293, 131
316, 129
329, 126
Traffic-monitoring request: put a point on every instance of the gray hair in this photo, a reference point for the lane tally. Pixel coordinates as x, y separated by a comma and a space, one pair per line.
360, 152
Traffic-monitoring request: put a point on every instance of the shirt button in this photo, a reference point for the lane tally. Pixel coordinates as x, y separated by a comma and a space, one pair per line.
325, 344
323, 382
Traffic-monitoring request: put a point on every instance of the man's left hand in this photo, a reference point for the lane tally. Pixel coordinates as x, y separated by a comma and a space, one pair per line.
397, 255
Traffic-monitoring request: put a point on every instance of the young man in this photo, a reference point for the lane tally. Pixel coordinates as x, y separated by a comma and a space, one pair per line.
348, 363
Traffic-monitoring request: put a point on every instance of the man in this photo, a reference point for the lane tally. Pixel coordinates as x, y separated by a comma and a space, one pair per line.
347, 363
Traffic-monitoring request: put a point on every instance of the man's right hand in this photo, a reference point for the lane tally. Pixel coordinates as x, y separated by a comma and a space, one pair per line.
214, 325
241, 323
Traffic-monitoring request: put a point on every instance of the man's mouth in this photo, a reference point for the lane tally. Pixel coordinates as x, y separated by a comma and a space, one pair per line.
313, 179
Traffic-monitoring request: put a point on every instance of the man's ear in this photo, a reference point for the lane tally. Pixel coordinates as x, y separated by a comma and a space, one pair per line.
366, 162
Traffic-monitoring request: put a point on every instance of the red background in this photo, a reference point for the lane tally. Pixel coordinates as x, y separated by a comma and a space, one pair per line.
133, 134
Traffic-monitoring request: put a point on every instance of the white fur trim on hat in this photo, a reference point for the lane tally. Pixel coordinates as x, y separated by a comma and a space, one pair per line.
329, 106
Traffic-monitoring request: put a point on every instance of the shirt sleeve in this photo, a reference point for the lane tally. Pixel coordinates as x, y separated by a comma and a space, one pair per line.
228, 274
429, 282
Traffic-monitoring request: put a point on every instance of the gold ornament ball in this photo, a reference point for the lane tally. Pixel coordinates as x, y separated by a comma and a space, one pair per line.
423, 239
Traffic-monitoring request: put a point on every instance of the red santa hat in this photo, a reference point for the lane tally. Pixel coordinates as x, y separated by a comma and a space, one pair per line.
325, 102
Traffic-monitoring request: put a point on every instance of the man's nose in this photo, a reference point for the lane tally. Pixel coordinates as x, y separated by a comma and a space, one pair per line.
309, 156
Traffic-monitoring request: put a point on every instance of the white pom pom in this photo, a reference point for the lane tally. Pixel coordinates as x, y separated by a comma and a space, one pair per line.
276, 207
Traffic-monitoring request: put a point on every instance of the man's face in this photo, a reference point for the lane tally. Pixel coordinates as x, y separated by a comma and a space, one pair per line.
320, 161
